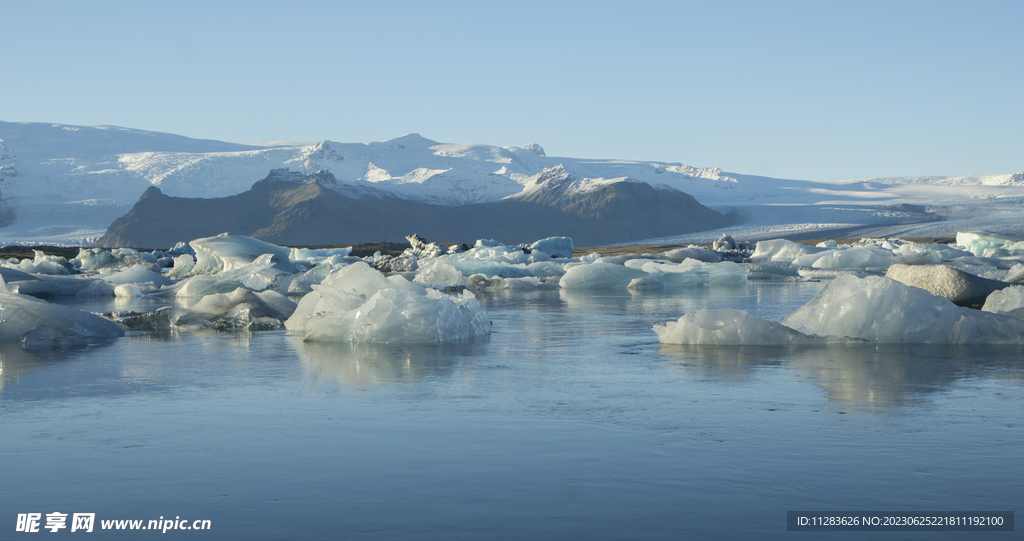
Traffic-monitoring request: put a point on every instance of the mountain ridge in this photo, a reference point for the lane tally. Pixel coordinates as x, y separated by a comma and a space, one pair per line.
290, 209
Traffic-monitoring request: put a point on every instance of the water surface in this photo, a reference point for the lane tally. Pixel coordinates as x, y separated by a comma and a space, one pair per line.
569, 421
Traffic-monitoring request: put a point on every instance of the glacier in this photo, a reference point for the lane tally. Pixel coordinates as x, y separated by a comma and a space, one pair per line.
64, 184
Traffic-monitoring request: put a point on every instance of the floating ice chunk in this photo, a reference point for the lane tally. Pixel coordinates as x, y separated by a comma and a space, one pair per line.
317, 255
227, 252
554, 246
958, 286
202, 285
119, 258
782, 250
278, 302
239, 309
38, 323
883, 310
479, 282
726, 326
96, 288
504, 261
917, 254
599, 275
138, 274
358, 304
440, 275
693, 252
41, 264
689, 273
856, 257
985, 243
403, 317
181, 248
546, 268
1007, 300
487, 243
138, 290
183, 265
727, 273
303, 283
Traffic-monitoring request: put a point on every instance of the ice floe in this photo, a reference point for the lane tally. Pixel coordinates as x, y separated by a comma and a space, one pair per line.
359, 304
873, 309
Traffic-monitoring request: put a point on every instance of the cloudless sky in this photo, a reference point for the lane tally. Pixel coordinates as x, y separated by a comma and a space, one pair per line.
812, 90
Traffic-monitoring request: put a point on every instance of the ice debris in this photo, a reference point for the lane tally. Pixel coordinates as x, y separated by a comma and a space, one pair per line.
37, 323
359, 304
874, 309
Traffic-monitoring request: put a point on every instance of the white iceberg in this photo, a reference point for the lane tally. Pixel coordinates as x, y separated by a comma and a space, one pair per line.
783, 250
883, 310
599, 275
37, 323
227, 252
358, 304
119, 258
1009, 300
554, 246
138, 274
440, 275
727, 326
985, 243
316, 255
41, 264
873, 309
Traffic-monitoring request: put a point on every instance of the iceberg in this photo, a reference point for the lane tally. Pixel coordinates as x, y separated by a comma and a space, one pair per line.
985, 243
119, 258
227, 252
37, 323
554, 246
240, 309
41, 264
316, 255
600, 275
359, 304
882, 310
727, 326
138, 274
440, 275
783, 250
873, 309
1009, 300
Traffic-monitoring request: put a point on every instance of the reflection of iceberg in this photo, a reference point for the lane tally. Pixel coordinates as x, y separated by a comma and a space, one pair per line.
15, 361
360, 364
875, 375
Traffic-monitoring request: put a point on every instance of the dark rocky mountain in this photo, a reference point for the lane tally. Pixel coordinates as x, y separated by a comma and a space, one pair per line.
290, 209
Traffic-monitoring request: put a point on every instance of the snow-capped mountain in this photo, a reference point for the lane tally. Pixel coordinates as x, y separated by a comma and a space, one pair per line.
61, 183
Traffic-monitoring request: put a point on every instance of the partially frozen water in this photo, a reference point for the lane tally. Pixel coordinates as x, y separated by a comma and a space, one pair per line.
569, 421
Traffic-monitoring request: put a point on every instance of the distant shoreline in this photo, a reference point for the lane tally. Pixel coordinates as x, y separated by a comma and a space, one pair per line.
395, 248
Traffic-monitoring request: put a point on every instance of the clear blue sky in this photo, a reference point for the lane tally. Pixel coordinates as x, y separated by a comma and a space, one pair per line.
817, 90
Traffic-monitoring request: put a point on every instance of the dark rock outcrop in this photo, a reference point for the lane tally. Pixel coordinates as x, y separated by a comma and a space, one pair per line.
289, 209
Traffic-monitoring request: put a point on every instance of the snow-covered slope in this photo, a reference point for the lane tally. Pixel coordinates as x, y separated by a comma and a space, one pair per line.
68, 183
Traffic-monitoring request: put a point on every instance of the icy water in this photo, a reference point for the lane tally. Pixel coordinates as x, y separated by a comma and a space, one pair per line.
570, 422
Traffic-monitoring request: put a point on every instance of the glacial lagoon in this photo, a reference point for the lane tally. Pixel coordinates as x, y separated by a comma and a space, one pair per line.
569, 421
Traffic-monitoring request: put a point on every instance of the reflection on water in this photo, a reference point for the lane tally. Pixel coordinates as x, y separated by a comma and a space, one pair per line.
570, 421
361, 364
878, 375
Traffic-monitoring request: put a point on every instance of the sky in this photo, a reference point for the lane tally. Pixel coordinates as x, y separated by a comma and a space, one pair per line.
803, 90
